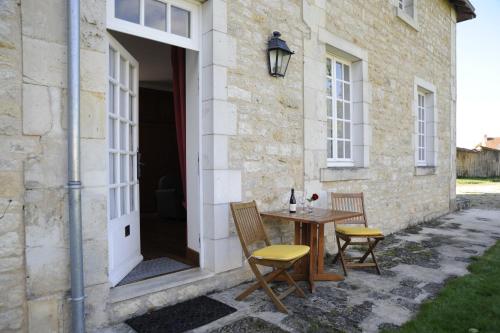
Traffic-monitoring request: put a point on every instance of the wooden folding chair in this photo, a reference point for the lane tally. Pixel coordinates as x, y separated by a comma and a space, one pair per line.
354, 202
281, 257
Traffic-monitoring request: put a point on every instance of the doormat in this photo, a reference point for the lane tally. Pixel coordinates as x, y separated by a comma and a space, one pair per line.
181, 317
151, 268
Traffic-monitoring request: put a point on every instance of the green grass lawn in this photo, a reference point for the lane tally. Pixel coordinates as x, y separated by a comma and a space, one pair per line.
470, 301
473, 181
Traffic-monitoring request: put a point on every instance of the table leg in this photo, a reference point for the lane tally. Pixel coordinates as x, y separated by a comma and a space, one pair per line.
320, 273
298, 234
321, 248
313, 254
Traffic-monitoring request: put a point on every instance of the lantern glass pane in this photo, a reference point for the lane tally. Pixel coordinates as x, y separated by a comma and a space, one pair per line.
284, 62
272, 61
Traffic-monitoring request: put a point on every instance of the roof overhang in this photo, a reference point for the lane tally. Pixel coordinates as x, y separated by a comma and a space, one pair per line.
465, 10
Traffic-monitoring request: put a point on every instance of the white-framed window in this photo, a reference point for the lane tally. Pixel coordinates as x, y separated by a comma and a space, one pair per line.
408, 7
406, 10
175, 22
339, 111
426, 143
421, 128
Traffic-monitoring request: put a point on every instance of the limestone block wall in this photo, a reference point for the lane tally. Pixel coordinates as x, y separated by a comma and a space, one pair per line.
397, 195
14, 148
34, 255
268, 147
281, 132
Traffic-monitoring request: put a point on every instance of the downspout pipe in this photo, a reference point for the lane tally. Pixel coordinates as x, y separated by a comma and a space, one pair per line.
74, 182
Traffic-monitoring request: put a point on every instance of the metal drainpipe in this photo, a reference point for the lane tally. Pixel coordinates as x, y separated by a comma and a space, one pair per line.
74, 183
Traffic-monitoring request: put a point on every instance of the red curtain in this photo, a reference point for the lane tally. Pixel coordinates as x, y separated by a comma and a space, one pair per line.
179, 91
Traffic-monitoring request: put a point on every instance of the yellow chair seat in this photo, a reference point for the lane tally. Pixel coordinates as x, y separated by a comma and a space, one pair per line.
358, 231
281, 252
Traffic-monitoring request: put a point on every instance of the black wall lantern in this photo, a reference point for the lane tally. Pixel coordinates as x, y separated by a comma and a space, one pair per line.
278, 55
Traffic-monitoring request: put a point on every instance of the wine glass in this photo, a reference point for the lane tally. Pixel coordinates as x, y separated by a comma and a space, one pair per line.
302, 200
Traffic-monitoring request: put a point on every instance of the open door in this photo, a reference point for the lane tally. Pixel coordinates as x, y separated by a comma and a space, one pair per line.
123, 186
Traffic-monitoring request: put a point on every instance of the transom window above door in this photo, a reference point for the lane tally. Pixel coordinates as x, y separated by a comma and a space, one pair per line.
173, 22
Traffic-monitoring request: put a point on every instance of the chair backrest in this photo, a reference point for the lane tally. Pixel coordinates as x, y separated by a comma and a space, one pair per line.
353, 202
249, 224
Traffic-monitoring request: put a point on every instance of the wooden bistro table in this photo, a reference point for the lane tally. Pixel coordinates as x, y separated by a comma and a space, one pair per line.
310, 230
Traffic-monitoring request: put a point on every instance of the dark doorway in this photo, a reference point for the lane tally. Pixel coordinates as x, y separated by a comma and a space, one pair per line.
163, 217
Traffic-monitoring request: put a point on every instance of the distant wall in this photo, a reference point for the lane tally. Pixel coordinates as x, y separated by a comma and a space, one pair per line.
484, 163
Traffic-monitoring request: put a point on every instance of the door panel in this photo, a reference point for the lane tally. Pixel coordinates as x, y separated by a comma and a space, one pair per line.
123, 184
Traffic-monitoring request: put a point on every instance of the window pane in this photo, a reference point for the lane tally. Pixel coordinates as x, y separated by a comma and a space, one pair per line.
346, 73
340, 129
347, 111
180, 21
123, 200
112, 203
131, 138
123, 165
123, 133
130, 108
127, 10
111, 168
112, 54
339, 89
111, 133
347, 91
329, 107
329, 148
328, 67
347, 149
123, 71
111, 98
155, 15
131, 168
340, 149
329, 131
338, 70
131, 78
340, 115
123, 103
328, 87
132, 198
347, 130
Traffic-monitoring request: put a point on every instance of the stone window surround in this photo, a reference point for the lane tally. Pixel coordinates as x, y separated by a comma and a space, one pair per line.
421, 85
361, 101
410, 19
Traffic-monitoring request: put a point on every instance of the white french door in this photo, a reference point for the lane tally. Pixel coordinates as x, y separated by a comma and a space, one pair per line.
123, 185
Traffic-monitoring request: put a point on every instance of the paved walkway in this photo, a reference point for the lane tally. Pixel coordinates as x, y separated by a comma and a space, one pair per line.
416, 263
484, 196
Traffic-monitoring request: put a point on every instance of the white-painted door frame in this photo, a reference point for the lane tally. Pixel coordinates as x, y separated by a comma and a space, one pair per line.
193, 136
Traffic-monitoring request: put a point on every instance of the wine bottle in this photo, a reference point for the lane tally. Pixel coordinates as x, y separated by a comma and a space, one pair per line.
293, 203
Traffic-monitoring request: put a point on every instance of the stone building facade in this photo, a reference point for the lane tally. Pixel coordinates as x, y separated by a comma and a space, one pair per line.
259, 136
